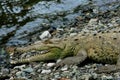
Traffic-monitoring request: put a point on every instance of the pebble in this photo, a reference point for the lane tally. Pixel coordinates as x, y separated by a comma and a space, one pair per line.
86, 76
73, 34
94, 75
20, 67
87, 66
50, 64
29, 70
92, 22
59, 60
104, 77
39, 70
4, 71
46, 71
20, 74
65, 68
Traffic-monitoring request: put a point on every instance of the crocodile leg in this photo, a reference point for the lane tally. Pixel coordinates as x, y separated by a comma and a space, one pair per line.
79, 58
53, 54
110, 68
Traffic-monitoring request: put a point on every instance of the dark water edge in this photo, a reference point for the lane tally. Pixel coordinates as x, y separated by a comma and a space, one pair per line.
23, 21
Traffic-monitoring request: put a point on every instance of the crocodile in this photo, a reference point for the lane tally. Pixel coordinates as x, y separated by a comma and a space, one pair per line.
100, 47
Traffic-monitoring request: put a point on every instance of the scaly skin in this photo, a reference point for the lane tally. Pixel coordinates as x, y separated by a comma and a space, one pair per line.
102, 47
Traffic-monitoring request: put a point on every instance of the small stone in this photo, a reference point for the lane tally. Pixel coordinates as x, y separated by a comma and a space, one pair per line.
109, 78
72, 29
29, 70
57, 75
60, 29
45, 35
86, 77
5, 71
73, 34
92, 21
19, 74
59, 60
87, 66
65, 68
39, 70
50, 64
94, 75
104, 77
46, 71
20, 67
117, 75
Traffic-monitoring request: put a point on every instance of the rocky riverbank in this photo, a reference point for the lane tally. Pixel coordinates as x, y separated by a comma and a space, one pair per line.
90, 22
85, 71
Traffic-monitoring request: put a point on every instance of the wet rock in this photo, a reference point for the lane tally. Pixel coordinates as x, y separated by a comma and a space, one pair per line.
6, 33
28, 29
104, 5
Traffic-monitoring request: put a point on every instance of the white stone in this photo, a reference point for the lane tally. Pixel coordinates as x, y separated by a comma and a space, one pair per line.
20, 67
58, 60
50, 64
73, 34
46, 71
92, 21
45, 35
65, 68
60, 29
